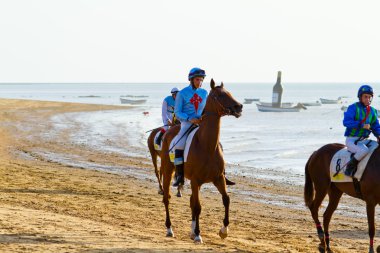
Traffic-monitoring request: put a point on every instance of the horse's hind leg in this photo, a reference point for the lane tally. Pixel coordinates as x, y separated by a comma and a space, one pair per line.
371, 223
334, 196
196, 210
167, 179
221, 186
320, 194
154, 155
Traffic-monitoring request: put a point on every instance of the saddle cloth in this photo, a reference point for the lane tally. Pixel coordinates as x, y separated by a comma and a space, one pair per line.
343, 156
157, 147
189, 139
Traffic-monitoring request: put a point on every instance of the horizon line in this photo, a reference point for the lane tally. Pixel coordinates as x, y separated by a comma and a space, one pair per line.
255, 82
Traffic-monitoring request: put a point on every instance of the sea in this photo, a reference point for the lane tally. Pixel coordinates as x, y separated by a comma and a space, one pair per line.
275, 141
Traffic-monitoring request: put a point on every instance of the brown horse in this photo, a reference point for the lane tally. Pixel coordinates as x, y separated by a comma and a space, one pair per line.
317, 179
205, 163
157, 153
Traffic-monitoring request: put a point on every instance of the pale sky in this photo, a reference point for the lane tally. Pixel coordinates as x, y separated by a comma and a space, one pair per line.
160, 40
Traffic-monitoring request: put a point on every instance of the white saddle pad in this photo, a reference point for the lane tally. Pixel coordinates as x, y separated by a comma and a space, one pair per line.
343, 156
157, 147
189, 139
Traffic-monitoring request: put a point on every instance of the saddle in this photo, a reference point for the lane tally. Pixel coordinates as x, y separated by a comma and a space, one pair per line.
156, 146
342, 157
189, 139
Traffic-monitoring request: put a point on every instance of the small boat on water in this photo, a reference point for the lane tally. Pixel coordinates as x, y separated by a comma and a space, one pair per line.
132, 101
135, 96
250, 100
89, 96
331, 101
316, 103
283, 105
296, 108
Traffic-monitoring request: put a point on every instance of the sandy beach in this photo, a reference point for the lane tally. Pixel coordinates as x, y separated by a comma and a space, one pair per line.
50, 206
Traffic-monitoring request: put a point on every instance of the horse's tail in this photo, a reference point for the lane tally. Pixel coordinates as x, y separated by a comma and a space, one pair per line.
309, 186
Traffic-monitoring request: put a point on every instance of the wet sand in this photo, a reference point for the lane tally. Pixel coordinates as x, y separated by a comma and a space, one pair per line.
50, 206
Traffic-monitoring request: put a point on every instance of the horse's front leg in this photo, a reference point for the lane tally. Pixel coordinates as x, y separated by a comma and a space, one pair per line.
220, 184
196, 210
371, 224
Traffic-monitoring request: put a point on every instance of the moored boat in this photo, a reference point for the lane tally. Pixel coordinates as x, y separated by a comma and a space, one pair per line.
283, 105
132, 101
250, 100
331, 101
297, 108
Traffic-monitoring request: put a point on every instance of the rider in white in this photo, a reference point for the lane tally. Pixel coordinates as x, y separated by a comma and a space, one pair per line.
167, 113
360, 120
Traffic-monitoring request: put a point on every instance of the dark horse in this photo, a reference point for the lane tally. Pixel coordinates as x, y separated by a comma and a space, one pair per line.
317, 179
157, 153
205, 163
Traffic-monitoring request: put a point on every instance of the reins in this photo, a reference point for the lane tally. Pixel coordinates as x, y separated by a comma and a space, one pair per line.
218, 113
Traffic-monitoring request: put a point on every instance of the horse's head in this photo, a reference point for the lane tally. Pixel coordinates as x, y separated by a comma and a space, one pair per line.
220, 101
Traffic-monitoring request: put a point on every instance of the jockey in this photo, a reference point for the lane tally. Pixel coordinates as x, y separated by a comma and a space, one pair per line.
188, 109
360, 119
167, 113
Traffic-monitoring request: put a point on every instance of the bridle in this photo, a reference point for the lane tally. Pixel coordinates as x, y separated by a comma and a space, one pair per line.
221, 110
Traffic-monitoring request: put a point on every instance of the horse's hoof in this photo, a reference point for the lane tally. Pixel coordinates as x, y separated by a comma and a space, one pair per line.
223, 232
321, 248
179, 194
161, 192
198, 239
192, 235
169, 232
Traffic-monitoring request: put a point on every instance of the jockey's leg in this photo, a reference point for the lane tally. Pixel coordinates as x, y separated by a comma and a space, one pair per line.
178, 158
360, 150
178, 162
159, 137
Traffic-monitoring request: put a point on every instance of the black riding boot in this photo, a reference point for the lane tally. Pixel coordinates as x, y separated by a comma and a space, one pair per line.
351, 167
178, 161
179, 179
159, 137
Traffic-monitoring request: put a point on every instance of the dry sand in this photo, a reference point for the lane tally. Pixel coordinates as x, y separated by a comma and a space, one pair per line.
47, 206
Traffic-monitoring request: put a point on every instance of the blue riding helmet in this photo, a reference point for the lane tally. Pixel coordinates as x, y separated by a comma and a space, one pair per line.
365, 89
194, 72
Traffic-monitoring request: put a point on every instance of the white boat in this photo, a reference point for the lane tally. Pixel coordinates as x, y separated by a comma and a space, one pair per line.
316, 103
331, 101
297, 108
132, 101
250, 100
135, 96
283, 105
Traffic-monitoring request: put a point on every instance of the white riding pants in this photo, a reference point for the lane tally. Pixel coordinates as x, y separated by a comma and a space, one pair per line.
360, 150
181, 143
